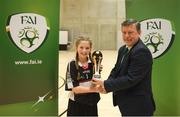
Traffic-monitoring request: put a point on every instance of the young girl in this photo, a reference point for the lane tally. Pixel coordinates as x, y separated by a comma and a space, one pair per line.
83, 96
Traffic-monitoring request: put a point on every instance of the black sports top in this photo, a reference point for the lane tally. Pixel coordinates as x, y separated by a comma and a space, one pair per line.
77, 75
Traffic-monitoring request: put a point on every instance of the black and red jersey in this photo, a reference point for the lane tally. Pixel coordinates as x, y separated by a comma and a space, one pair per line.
79, 75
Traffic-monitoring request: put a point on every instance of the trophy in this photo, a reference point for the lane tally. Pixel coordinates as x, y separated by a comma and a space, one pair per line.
97, 58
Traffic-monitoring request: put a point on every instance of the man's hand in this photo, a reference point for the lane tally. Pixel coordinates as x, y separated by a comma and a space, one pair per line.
101, 89
99, 84
97, 81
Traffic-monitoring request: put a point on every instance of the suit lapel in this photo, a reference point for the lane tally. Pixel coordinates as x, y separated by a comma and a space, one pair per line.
125, 60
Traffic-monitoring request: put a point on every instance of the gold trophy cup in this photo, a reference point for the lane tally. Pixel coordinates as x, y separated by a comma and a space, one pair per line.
97, 58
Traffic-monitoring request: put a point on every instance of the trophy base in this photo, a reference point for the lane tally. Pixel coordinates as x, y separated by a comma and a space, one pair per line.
97, 76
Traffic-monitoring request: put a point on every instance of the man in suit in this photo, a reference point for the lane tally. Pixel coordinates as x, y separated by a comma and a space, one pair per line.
130, 79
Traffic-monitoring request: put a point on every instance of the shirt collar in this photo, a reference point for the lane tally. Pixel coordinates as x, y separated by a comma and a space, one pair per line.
128, 48
80, 64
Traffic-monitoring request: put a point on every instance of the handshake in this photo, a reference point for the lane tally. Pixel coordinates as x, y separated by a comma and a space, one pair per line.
99, 85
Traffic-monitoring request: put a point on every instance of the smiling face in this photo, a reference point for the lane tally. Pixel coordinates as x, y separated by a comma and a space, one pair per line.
83, 50
130, 34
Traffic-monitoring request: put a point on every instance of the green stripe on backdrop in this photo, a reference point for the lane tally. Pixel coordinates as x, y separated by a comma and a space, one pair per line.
166, 75
29, 80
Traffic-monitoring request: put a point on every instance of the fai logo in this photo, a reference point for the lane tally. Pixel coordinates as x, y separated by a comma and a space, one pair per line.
158, 36
27, 30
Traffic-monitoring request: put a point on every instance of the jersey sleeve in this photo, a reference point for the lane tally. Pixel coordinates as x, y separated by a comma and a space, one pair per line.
71, 76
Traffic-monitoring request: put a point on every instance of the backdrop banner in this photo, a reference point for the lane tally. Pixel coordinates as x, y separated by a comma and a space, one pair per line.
160, 32
29, 35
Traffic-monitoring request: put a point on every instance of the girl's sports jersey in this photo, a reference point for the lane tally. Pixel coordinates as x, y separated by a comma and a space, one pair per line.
78, 75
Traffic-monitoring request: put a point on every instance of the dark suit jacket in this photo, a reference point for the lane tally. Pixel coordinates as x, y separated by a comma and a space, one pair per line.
130, 79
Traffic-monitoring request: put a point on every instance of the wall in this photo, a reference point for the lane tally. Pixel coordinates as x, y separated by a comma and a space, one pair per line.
99, 19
